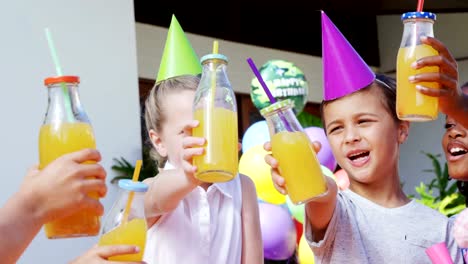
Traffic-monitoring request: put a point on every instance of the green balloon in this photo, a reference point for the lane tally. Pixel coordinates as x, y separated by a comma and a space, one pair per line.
297, 211
284, 80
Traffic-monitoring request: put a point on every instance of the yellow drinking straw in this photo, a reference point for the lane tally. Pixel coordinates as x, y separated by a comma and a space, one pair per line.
213, 77
136, 174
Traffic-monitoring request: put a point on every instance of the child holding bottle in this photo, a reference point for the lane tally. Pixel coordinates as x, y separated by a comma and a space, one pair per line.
191, 221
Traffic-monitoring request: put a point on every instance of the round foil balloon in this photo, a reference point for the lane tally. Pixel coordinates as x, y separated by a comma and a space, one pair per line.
284, 80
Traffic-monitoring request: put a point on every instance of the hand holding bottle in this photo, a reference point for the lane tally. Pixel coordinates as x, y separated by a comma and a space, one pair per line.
62, 187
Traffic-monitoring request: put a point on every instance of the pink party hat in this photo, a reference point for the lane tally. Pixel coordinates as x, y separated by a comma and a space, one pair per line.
344, 71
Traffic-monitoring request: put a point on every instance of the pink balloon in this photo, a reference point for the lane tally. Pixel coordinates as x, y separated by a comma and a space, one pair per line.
342, 179
325, 155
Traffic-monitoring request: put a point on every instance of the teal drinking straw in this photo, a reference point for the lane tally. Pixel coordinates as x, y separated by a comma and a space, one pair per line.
58, 70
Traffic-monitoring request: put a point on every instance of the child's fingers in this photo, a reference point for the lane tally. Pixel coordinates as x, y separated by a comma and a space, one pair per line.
267, 146
94, 185
442, 78
189, 126
188, 167
278, 182
317, 146
439, 46
445, 66
84, 155
115, 250
189, 153
270, 160
434, 92
92, 205
91, 170
190, 142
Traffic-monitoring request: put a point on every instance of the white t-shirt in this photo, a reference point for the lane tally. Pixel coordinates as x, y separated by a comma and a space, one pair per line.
361, 231
206, 227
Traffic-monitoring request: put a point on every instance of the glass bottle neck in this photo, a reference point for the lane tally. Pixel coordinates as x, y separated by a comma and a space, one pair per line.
64, 104
414, 29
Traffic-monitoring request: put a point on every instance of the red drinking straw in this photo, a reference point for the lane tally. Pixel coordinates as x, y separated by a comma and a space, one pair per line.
420, 5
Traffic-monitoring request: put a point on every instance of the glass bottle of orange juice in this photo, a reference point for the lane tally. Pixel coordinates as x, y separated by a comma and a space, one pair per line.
216, 109
125, 224
291, 147
66, 128
411, 104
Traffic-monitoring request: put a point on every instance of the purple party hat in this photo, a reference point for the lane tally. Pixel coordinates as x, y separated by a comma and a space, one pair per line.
344, 71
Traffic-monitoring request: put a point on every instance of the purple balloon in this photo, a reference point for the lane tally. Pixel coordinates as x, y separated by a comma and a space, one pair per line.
278, 232
325, 155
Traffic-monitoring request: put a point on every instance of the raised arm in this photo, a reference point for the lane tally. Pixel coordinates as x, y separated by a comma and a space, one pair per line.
319, 211
49, 194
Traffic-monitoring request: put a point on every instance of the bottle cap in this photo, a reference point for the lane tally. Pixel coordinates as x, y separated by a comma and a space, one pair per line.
61, 79
213, 56
412, 15
134, 186
276, 106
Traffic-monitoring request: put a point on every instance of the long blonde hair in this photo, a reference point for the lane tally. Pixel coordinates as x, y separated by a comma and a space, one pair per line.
155, 115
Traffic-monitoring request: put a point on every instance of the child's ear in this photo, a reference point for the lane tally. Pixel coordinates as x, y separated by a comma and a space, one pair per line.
155, 139
403, 128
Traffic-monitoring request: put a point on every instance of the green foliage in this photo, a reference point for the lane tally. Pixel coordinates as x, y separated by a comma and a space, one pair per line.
124, 169
308, 120
448, 201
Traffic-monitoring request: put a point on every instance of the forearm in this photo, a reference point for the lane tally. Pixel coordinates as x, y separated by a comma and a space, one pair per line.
166, 190
319, 212
19, 224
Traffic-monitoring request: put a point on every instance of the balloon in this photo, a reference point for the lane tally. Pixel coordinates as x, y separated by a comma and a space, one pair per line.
299, 230
278, 232
297, 211
252, 163
255, 134
284, 80
342, 179
327, 172
325, 155
304, 253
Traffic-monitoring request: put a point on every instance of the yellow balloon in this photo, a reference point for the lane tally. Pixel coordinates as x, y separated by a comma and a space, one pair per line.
304, 253
252, 163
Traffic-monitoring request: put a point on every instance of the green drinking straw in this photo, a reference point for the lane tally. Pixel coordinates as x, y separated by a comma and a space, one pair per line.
58, 70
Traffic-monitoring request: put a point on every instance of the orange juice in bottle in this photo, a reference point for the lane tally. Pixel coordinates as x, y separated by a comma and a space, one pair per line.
66, 129
411, 104
291, 147
121, 227
216, 109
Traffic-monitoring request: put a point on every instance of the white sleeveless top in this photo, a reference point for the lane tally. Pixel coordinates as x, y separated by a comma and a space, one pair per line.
206, 227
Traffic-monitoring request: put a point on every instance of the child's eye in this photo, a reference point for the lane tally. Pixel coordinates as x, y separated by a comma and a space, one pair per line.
362, 121
334, 129
448, 125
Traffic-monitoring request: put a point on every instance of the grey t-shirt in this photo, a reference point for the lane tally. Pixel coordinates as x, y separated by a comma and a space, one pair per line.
361, 231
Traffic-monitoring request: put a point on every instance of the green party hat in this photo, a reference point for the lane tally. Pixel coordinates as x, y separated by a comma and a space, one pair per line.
178, 58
